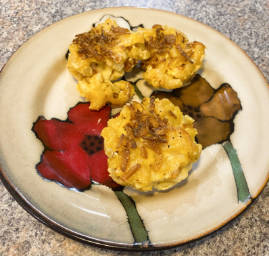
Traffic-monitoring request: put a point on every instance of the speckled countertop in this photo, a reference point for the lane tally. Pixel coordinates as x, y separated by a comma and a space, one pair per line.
244, 21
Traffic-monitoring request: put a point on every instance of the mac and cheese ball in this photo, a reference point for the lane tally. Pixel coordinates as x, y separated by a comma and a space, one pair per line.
173, 59
150, 145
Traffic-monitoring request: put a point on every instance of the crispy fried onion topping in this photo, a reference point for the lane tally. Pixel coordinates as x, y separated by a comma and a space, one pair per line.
145, 127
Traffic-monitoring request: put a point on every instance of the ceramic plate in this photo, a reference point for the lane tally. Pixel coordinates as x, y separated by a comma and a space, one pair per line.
228, 175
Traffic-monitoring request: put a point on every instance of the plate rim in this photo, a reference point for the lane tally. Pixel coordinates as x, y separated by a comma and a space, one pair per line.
43, 218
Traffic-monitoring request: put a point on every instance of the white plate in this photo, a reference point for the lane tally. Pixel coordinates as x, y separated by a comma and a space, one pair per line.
35, 82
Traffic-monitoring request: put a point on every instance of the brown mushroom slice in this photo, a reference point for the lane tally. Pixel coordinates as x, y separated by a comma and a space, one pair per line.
190, 97
212, 131
198, 92
223, 105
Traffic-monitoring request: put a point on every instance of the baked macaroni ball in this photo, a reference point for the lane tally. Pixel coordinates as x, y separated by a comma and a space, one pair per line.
173, 59
101, 56
150, 145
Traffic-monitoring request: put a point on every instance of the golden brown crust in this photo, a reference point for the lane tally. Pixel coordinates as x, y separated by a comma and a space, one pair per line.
160, 42
148, 126
97, 43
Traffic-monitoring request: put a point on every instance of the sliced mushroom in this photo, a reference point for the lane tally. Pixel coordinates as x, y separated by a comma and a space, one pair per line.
196, 93
223, 105
212, 131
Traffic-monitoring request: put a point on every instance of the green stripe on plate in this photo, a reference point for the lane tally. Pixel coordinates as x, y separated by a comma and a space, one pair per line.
138, 229
239, 177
